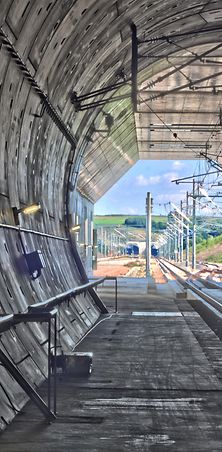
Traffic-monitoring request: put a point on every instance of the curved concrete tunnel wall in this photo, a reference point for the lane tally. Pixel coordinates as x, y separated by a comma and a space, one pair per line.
35, 160
66, 46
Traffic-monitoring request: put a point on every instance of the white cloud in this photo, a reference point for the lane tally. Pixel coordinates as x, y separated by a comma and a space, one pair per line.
132, 210
143, 181
177, 164
168, 177
168, 197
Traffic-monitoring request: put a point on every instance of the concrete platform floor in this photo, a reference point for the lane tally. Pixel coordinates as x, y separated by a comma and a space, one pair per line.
156, 383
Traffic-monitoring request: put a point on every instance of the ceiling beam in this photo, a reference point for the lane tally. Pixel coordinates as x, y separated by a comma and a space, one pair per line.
185, 85
182, 66
189, 92
179, 112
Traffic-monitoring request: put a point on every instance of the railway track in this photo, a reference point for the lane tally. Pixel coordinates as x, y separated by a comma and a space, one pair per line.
197, 285
196, 277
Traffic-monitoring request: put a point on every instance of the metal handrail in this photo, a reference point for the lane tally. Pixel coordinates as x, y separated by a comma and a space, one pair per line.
44, 312
111, 278
58, 299
7, 322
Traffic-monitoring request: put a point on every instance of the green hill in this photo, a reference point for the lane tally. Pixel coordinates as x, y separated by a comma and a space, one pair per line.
210, 250
118, 220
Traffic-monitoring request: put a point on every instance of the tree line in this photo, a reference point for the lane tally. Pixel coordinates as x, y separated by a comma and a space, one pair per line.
140, 222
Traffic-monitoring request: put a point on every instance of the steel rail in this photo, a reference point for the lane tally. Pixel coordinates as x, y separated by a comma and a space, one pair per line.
211, 283
191, 286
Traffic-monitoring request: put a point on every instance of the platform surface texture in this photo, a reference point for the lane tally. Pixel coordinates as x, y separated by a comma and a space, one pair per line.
155, 386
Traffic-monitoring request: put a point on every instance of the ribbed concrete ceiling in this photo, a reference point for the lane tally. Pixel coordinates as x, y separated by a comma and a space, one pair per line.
179, 95
80, 46
179, 110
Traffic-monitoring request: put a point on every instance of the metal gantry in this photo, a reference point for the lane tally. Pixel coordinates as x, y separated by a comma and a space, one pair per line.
182, 227
177, 232
148, 232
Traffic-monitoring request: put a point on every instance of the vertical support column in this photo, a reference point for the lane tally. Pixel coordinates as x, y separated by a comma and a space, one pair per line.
105, 244
116, 302
148, 232
194, 230
176, 245
94, 250
169, 248
101, 241
187, 231
181, 233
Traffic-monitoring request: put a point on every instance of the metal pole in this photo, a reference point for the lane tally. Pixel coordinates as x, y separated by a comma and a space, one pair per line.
175, 245
95, 249
116, 306
148, 233
179, 237
169, 247
187, 231
101, 242
181, 234
194, 230
178, 243
105, 246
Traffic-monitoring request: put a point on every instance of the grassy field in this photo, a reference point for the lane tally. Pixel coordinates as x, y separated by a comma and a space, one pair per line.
118, 220
109, 220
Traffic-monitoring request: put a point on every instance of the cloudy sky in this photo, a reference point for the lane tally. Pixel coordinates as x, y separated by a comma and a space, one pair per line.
128, 195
